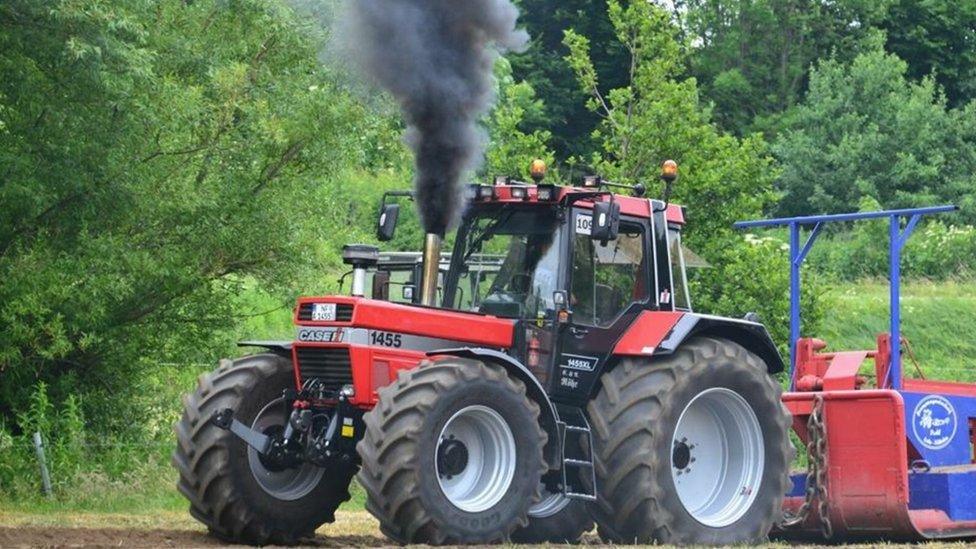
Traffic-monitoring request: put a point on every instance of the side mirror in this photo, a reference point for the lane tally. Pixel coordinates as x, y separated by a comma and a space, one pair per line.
560, 298
606, 221
409, 292
386, 227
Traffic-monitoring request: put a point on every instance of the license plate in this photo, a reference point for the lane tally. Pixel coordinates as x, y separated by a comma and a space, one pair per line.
324, 312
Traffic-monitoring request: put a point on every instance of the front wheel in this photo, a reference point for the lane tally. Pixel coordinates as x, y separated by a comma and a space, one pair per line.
555, 519
452, 454
239, 495
691, 449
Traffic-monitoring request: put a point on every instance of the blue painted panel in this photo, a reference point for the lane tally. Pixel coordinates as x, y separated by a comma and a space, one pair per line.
938, 427
798, 485
954, 493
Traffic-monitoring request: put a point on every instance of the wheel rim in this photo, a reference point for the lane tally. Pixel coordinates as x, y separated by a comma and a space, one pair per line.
717, 457
549, 505
475, 458
286, 484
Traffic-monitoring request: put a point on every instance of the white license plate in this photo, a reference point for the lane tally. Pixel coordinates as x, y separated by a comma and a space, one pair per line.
324, 312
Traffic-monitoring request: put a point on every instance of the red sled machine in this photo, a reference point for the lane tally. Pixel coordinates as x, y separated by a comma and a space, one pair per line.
890, 461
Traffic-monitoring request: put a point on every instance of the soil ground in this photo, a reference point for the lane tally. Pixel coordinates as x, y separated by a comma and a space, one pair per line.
177, 529
167, 529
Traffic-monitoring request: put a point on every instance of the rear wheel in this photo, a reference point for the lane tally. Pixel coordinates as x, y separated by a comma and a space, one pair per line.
690, 449
234, 491
452, 454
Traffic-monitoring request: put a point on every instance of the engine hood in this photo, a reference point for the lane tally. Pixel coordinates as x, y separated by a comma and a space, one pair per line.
441, 324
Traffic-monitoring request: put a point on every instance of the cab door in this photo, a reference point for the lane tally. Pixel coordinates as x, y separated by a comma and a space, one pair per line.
608, 286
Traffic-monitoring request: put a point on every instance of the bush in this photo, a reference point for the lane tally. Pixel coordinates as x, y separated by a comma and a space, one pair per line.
937, 250
755, 277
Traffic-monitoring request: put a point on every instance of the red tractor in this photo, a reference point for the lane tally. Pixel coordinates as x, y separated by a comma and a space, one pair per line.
548, 373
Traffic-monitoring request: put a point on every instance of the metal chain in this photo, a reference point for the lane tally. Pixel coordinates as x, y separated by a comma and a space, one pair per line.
823, 470
816, 484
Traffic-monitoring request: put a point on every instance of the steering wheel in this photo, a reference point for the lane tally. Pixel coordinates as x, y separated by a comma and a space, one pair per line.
520, 283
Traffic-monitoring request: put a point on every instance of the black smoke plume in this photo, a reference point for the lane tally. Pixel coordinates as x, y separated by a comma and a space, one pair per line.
436, 58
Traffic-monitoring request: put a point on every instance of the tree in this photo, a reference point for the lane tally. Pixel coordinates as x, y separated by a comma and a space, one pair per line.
153, 159
865, 130
657, 115
752, 56
512, 146
936, 37
542, 66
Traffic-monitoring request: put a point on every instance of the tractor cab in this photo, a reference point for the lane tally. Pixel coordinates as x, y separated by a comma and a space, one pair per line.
568, 268
514, 240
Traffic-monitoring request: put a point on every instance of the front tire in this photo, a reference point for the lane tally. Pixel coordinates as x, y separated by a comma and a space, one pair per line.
231, 491
691, 449
452, 454
555, 519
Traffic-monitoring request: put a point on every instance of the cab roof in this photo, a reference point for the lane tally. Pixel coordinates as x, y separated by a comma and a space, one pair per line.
629, 205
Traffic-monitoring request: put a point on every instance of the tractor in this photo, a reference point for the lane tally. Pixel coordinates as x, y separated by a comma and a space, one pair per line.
546, 373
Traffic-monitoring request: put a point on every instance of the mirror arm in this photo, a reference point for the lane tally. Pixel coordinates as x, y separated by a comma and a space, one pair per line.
408, 194
605, 240
665, 197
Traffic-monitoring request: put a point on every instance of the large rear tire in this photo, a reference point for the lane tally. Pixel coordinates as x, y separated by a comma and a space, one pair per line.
231, 491
690, 449
452, 454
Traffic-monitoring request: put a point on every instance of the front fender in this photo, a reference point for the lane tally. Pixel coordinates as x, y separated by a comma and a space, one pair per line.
280, 348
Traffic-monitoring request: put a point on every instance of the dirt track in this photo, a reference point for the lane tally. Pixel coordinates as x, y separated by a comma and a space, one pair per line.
163, 529
121, 537
168, 529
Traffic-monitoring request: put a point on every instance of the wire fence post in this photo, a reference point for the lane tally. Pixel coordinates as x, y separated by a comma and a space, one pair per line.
42, 461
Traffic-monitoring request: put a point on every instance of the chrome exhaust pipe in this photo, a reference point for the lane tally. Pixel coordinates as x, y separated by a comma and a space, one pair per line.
431, 268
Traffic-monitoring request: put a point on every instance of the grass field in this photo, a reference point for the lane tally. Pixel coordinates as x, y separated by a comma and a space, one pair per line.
937, 318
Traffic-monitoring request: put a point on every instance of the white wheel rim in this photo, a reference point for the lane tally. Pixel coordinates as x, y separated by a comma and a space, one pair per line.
287, 484
489, 466
549, 505
717, 457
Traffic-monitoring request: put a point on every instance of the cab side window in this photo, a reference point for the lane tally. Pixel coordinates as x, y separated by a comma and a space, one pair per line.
606, 279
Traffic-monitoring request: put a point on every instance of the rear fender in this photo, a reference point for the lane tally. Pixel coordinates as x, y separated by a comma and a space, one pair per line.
549, 417
661, 333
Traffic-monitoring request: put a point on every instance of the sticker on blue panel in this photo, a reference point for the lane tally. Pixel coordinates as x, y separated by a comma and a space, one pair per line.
934, 422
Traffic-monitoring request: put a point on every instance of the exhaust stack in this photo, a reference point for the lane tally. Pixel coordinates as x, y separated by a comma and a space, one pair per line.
431, 268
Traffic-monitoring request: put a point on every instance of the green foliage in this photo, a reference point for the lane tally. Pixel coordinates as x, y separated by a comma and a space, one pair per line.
723, 178
937, 251
936, 318
752, 57
154, 158
511, 149
543, 67
936, 37
754, 275
864, 130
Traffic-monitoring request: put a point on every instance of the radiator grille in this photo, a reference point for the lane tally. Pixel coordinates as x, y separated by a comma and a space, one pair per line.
332, 366
343, 312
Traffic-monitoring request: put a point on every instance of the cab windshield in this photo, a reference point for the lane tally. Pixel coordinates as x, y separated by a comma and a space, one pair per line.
505, 262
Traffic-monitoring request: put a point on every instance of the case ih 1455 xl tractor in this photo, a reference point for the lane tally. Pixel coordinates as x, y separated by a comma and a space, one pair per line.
552, 371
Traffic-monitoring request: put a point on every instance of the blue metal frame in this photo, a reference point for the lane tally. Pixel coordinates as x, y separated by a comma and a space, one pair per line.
897, 237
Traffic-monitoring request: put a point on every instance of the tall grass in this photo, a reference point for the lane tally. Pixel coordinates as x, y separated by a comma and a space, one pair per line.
938, 318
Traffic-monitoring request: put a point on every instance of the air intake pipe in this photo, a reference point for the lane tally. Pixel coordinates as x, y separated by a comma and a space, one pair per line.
362, 257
